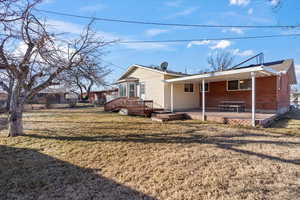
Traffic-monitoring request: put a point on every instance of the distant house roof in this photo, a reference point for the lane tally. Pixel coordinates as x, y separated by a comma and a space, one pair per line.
155, 69
54, 90
103, 91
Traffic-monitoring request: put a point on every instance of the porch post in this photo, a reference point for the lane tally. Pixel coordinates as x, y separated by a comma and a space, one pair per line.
253, 98
203, 99
127, 89
172, 97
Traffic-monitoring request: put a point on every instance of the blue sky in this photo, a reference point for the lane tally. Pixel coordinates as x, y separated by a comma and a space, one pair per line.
183, 56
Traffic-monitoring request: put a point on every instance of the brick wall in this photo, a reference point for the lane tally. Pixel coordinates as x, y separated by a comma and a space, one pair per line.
283, 94
266, 94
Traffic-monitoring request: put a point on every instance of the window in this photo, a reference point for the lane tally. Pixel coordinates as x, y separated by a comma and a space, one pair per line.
206, 87
233, 85
142, 89
245, 84
188, 87
132, 89
122, 90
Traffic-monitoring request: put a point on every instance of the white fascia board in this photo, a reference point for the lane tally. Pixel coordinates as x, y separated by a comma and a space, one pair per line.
154, 70
147, 68
270, 70
216, 74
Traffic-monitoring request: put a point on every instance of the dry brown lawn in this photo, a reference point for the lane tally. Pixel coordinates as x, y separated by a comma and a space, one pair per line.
88, 154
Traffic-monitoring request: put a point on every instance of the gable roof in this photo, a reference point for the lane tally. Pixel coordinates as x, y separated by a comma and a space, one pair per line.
154, 69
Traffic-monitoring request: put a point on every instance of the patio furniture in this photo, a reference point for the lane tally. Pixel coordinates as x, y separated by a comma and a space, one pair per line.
232, 106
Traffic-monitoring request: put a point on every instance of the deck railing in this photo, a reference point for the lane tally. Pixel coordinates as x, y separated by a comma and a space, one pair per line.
133, 105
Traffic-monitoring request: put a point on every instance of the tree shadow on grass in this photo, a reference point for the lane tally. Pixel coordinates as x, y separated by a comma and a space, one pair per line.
29, 174
188, 137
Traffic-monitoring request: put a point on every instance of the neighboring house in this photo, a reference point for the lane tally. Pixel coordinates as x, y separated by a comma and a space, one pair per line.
51, 95
102, 96
295, 99
268, 84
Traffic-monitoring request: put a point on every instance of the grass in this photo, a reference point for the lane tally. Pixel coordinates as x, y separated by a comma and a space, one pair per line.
88, 154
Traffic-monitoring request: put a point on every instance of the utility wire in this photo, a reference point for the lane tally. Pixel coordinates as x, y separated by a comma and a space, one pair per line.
165, 24
199, 39
209, 39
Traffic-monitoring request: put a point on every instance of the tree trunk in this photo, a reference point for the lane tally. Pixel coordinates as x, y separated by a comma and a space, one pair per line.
15, 122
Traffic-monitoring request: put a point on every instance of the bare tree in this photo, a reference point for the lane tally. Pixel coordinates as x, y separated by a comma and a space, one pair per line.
220, 60
82, 78
41, 58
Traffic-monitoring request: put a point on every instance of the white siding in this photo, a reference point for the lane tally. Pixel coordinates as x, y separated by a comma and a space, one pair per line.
154, 85
186, 100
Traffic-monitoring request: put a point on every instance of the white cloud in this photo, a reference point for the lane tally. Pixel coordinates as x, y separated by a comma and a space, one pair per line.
147, 46
297, 68
92, 8
250, 11
68, 27
48, 1
239, 2
233, 30
204, 42
176, 3
213, 44
62, 26
155, 31
185, 12
274, 2
238, 52
221, 44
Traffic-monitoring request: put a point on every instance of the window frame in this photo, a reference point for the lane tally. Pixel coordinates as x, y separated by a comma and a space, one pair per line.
122, 89
144, 85
200, 87
130, 89
191, 88
239, 88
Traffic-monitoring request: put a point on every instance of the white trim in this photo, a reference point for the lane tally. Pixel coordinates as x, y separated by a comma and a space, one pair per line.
147, 68
203, 99
223, 73
172, 97
253, 99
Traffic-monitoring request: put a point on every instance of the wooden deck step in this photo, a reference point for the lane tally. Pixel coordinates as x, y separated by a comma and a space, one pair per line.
167, 117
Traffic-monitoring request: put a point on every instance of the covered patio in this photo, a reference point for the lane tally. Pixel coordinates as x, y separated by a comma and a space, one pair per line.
246, 115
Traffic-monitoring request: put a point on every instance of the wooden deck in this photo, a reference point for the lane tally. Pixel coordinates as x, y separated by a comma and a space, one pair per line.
134, 106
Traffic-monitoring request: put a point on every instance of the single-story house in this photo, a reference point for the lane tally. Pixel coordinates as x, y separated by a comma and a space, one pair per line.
102, 96
259, 88
54, 95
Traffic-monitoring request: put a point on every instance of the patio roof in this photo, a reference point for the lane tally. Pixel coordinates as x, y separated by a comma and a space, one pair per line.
267, 69
242, 73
